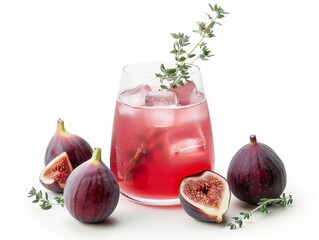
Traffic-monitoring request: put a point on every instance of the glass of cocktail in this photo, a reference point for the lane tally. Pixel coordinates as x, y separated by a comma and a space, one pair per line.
161, 133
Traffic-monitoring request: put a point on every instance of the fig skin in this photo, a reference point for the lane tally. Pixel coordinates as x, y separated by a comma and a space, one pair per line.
256, 172
91, 192
77, 148
55, 174
213, 190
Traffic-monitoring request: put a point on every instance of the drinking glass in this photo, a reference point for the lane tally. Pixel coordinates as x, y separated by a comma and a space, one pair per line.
159, 135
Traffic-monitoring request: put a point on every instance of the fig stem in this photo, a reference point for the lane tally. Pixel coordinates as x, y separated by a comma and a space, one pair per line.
253, 139
96, 156
60, 127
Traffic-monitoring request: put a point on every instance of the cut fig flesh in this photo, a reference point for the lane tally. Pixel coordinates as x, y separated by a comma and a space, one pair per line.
205, 196
57, 171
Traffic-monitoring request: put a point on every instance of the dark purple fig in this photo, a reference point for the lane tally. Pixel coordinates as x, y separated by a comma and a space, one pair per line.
205, 196
78, 149
91, 192
55, 174
256, 172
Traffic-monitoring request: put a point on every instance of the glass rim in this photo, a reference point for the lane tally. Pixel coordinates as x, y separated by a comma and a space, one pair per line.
194, 68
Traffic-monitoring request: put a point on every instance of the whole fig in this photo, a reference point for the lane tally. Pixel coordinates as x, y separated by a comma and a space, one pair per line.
78, 149
256, 172
91, 192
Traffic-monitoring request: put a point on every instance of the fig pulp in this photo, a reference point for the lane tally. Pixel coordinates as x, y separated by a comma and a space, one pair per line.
75, 146
91, 192
55, 174
256, 172
205, 196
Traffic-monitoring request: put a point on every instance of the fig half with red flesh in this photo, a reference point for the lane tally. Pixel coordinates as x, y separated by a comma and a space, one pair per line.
55, 174
205, 196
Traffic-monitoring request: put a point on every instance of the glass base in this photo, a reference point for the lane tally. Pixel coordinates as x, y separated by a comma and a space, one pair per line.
153, 202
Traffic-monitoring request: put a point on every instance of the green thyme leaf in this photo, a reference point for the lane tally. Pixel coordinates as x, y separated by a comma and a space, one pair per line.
199, 51
45, 202
262, 206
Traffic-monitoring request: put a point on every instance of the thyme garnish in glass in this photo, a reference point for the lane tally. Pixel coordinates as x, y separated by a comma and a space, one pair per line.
174, 77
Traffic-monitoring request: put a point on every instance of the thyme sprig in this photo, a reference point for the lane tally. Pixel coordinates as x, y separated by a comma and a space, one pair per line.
183, 60
45, 202
263, 204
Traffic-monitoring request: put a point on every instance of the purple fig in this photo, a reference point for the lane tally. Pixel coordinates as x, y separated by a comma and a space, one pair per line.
256, 172
78, 149
205, 196
55, 174
91, 192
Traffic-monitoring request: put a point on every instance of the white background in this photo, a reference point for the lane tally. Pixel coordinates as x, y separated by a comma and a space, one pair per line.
63, 59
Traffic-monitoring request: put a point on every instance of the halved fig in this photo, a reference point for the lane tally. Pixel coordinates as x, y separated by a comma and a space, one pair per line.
205, 196
55, 174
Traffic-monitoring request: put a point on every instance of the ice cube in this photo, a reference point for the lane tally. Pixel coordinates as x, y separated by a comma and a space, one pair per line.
135, 96
126, 110
188, 94
188, 145
159, 117
160, 98
179, 145
187, 140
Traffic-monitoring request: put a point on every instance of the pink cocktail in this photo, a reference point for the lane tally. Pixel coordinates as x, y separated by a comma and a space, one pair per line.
160, 137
